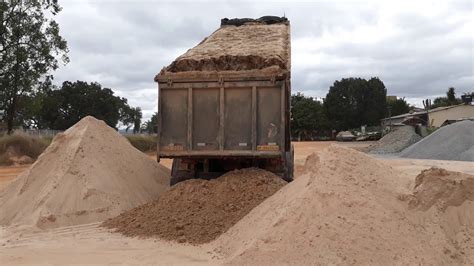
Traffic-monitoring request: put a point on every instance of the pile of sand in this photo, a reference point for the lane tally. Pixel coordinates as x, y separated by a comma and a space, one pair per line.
452, 142
88, 174
396, 141
442, 188
198, 211
344, 209
446, 199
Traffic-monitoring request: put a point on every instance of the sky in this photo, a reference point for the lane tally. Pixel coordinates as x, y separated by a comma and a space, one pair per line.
417, 48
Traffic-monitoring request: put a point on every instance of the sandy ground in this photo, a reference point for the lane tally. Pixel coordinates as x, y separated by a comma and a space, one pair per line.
89, 244
8, 173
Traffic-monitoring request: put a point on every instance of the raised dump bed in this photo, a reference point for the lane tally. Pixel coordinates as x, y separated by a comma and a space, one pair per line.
224, 104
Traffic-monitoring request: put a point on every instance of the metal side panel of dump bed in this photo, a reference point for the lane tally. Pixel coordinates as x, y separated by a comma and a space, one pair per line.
223, 119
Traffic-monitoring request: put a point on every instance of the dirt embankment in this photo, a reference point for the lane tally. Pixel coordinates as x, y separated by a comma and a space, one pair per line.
197, 211
88, 174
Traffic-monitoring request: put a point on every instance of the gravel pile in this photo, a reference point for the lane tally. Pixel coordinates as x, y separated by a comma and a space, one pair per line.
197, 211
452, 142
396, 141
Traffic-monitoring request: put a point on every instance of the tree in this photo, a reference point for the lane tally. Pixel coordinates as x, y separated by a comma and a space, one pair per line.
131, 116
307, 117
449, 100
398, 106
451, 96
29, 46
352, 102
62, 108
151, 126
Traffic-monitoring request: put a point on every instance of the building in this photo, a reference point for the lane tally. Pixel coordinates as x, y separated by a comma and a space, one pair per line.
439, 116
413, 119
432, 118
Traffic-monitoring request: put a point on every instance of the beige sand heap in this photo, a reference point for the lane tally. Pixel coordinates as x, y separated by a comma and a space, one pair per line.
198, 211
87, 174
345, 209
442, 188
446, 199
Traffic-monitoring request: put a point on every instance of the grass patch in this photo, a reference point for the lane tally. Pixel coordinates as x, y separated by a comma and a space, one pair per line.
21, 144
144, 143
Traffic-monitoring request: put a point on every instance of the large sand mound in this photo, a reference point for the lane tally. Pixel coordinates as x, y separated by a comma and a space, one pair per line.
452, 142
344, 209
87, 174
396, 141
198, 211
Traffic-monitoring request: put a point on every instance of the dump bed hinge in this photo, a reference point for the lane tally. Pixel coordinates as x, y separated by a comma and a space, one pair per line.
221, 81
169, 82
273, 79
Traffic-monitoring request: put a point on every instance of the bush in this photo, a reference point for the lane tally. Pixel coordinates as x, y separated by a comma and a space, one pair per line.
21, 144
143, 143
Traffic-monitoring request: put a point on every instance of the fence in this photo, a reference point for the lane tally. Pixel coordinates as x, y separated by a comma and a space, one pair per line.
34, 132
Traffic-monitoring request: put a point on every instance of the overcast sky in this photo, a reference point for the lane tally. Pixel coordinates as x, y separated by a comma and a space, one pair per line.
417, 49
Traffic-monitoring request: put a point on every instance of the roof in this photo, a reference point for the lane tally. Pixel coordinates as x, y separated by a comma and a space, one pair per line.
251, 45
448, 107
425, 112
406, 115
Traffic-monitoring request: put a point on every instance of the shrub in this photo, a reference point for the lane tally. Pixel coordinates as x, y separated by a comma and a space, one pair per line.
143, 143
21, 144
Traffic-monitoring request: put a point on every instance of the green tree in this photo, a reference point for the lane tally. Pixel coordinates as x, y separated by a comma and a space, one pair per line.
307, 117
451, 95
131, 117
352, 102
62, 108
449, 100
30, 45
151, 126
398, 106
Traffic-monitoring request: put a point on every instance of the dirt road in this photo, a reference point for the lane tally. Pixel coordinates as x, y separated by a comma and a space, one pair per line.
8, 173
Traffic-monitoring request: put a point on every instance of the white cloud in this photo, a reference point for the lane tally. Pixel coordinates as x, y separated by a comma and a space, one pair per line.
418, 48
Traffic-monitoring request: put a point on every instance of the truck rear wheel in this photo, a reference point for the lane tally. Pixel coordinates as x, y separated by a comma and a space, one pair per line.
289, 165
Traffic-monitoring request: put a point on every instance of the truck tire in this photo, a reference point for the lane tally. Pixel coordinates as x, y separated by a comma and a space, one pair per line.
289, 164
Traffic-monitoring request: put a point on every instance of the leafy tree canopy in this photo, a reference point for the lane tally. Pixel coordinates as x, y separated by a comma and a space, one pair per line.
352, 102
131, 117
151, 126
450, 99
62, 108
307, 116
398, 106
30, 45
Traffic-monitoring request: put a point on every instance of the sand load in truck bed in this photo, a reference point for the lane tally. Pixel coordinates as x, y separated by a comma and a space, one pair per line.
88, 174
253, 45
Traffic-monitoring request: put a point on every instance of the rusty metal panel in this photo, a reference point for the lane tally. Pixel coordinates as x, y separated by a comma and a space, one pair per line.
173, 107
206, 119
269, 119
238, 119
249, 121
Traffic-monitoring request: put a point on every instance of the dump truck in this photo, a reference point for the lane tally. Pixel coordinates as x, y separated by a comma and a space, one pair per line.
225, 104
